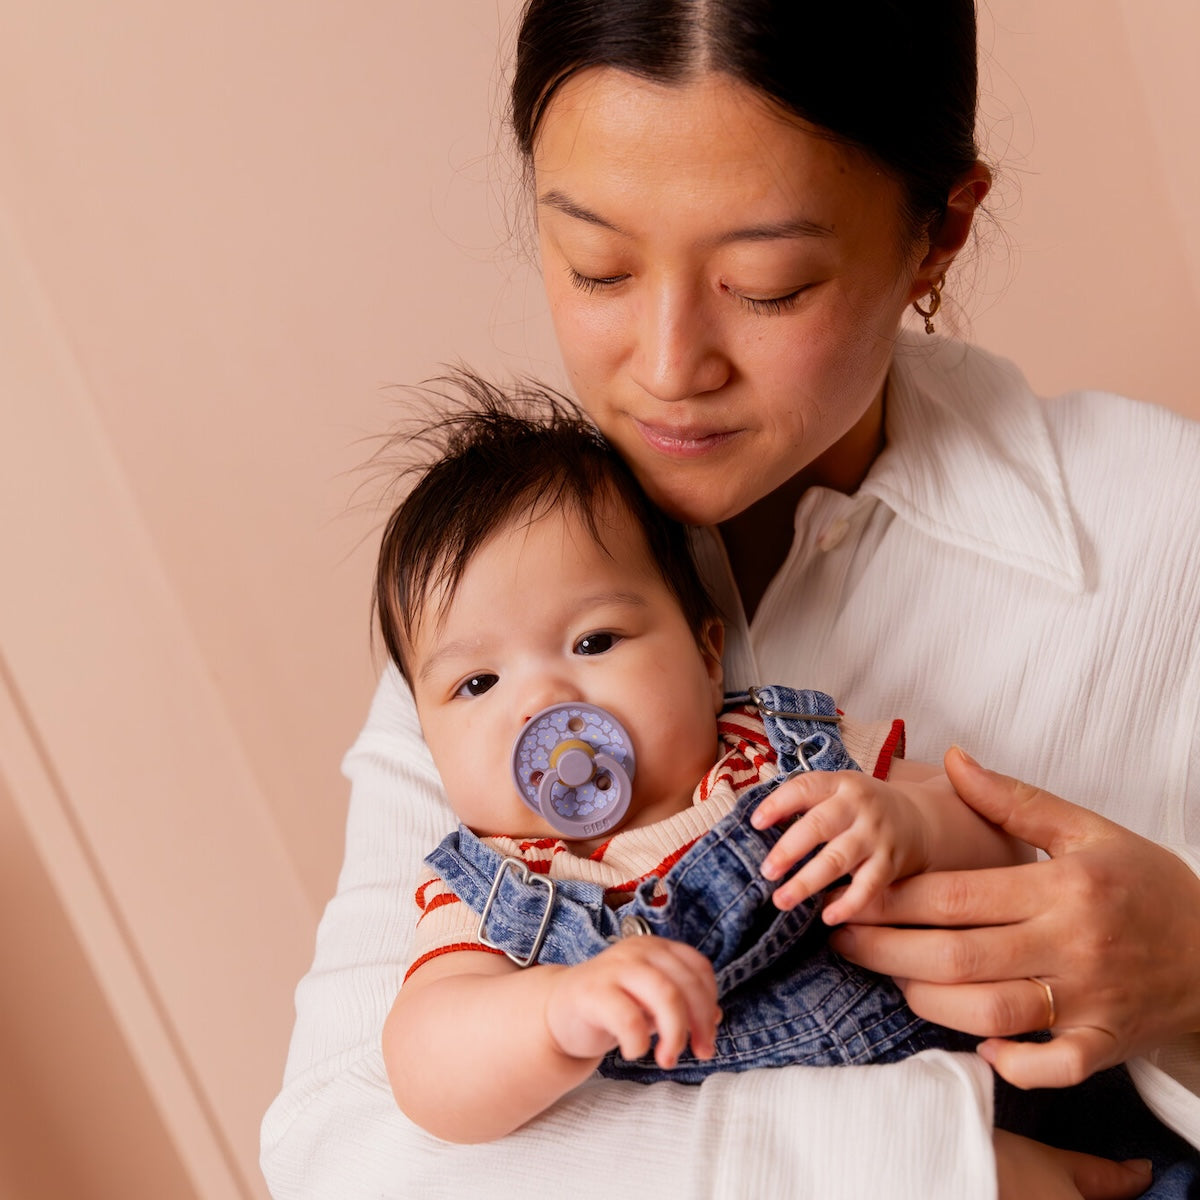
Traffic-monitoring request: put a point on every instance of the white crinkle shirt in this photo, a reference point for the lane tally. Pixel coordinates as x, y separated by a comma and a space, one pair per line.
1016, 575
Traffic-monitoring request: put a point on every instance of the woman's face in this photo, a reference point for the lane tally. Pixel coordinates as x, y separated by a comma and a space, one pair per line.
725, 285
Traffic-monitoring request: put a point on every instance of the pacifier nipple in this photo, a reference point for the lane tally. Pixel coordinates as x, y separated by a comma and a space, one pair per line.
573, 765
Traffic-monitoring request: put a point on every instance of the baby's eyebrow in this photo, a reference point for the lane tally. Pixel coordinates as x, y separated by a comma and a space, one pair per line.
460, 648
473, 647
611, 600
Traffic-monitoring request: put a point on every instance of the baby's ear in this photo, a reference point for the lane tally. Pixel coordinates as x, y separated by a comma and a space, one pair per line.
712, 646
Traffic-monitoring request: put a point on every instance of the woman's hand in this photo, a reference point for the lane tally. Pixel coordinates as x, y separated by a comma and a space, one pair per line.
1111, 923
1026, 1168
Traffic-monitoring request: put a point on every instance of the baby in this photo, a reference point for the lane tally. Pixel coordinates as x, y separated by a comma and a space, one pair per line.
565, 659
528, 574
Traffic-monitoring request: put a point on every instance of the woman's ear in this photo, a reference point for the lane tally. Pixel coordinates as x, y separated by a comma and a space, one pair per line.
950, 234
712, 646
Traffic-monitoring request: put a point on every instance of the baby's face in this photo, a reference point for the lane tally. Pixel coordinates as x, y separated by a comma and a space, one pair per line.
543, 615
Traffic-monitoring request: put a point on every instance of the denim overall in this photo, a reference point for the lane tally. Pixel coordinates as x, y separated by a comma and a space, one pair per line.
785, 996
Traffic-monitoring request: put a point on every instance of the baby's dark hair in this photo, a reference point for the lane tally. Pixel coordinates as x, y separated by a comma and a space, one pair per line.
504, 454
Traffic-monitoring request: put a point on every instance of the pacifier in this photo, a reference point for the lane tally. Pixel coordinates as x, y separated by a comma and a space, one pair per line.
573, 765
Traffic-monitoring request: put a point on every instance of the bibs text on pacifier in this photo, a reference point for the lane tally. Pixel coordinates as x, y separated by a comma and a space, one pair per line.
573, 765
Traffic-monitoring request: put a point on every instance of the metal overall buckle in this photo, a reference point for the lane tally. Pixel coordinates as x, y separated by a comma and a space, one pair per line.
531, 879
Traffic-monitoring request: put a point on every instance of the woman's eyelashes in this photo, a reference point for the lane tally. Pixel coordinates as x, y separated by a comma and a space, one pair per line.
761, 306
771, 305
589, 284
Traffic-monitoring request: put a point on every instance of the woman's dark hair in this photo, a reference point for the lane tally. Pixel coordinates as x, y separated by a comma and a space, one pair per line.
896, 78
506, 455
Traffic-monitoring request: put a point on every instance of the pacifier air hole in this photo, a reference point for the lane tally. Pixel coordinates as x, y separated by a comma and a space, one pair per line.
573, 765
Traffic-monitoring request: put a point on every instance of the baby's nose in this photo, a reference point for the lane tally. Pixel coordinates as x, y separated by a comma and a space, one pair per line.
545, 693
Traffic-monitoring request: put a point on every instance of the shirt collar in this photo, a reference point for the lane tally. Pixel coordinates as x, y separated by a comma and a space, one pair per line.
969, 460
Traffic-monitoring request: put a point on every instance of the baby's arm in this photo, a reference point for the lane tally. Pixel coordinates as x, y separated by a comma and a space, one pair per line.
475, 1046
875, 832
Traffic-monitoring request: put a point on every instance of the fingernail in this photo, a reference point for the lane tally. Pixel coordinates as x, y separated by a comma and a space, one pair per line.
758, 819
1143, 1166
769, 869
987, 1052
964, 755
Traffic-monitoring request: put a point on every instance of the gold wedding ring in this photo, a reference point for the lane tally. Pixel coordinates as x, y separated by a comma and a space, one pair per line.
1052, 1013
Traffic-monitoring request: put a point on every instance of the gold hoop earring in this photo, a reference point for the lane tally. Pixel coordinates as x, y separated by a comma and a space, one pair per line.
935, 302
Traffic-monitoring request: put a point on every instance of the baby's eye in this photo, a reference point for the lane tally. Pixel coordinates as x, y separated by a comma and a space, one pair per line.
476, 685
596, 643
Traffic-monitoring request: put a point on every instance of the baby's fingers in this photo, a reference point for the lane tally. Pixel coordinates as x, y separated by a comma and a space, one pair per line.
822, 824
679, 1001
869, 882
797, 795
836, 859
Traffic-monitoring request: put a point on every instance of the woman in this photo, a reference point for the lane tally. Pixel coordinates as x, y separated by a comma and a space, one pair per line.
734, 215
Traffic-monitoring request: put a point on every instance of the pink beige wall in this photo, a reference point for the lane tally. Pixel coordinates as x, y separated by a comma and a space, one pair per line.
224, 230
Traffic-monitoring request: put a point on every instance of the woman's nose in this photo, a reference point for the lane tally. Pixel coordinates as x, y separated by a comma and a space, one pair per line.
677, 353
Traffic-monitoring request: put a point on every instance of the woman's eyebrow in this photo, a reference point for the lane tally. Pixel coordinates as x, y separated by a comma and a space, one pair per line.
564, 204
794, 227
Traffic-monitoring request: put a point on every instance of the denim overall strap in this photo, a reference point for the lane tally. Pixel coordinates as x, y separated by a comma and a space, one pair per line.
715, 897
802, 726
786, 997
571, 917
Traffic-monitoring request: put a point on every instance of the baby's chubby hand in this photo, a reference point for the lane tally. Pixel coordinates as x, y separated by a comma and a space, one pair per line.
871, 830
638, 987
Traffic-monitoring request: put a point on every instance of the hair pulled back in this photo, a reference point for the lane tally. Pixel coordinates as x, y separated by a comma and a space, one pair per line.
895, 78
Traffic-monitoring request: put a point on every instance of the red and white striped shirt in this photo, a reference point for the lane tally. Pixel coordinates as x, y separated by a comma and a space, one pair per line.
445, 924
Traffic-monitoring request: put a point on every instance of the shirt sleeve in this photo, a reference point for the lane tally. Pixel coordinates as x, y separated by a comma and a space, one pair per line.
918, 1129
444, 923
873, 744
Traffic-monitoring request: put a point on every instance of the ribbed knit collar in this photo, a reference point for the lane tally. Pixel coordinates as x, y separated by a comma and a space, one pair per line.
969, 460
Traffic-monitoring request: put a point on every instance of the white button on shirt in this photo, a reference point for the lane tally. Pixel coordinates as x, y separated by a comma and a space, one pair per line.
833, 534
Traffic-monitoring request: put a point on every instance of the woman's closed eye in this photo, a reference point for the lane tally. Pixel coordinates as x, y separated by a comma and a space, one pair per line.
600, 642
476, 685
769, 305
593, 283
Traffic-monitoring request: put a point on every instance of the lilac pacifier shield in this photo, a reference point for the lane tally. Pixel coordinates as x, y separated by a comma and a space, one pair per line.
573, 765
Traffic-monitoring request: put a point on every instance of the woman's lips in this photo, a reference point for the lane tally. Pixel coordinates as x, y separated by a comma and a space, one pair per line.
683, 443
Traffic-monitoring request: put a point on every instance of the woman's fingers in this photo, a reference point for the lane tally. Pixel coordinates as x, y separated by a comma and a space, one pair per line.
1066, 1060
955, 899
947, 956
1030, 813
1027, 1168
1111, 921
994, 1010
